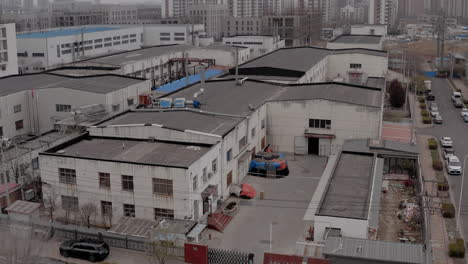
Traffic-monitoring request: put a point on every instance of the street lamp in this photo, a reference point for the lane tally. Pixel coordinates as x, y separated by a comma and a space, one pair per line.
461, 194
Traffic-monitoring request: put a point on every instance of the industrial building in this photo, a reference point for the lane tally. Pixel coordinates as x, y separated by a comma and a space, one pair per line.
31, 104
374, 42
259, 45
45, 50
8, 58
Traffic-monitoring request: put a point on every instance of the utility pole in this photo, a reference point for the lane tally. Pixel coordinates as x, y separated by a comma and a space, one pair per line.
7, 180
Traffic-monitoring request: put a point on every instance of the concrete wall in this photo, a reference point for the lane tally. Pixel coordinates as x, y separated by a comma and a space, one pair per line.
258, 45
333, 45
152, 34
318, 73
53, 48
87, 187
8, 117
290, 119
372, 66
8, 57
380, 30
221, 56
355, 228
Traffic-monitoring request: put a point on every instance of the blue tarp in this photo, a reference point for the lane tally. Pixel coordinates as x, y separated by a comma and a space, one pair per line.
430, 74
178, 84
64, 32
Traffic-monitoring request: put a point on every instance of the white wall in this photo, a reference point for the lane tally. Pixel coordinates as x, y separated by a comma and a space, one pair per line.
87, 187
222, 57
258, 46
290, 119
8, 56
355, 228
51, 46
334, 45
372, 66
8, 117
318, 73
157, 34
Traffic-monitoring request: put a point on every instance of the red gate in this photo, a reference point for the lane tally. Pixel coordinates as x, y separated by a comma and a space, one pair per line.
196, 254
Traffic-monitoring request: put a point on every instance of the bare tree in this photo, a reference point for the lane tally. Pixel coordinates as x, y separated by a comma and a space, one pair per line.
19, 245
87, 212
50, 200
159, 251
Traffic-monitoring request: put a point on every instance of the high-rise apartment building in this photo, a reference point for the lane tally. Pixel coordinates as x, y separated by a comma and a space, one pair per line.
383, 12
410, 8
8, 56
178, 8
328, 9
212, 16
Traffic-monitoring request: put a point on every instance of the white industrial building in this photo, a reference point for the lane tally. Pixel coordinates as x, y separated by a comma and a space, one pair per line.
8, 58
356, 41
258, 45
31, 104
379, 30
38, 51
166, 34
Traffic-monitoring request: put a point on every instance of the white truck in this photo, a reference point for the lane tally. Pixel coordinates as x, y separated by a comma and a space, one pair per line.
427, 84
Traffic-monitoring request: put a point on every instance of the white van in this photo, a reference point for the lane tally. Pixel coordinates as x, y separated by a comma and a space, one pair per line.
456, 95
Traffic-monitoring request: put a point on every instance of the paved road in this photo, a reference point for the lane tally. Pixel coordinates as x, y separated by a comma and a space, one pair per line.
455, 128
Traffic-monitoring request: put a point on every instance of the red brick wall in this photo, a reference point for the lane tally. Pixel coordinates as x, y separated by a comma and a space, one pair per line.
14, 196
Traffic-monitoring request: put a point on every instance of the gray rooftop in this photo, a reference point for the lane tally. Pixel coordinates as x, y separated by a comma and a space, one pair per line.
224, 96
348, 192
380, 146
375, 82
357, 39
374, 250
23, 207
132, 151
96, 84
179, 120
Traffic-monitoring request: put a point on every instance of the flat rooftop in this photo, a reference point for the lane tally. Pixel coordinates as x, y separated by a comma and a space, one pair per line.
178, 120
96, 84
357, 39
142, 152
348, 192
64, 32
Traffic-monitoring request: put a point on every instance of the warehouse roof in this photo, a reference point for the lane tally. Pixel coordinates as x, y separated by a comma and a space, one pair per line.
178, 120
374, 250
96, 84
142, 152
378, 146
349, 189
358, 39
64, 32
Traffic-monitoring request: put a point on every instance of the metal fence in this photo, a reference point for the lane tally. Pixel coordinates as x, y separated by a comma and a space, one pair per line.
55, 229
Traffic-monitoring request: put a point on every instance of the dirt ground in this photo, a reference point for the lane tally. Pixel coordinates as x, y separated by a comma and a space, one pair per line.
391, 228
427, 48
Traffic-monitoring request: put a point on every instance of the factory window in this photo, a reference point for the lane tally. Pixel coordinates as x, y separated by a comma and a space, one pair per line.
179, 39
38, 54
125, 36
88, 48
58, 51
252, 134
35, 163
263, 123
98, 41
116, 107
165, 213
22, 54
319, 123
229, 178
204, 175
87, 42
107, 44
242, 143
127, 183
107, 39
106, 208
355, 66
66, 52
129, 210
214, 165
62, 108
116, 37
229, 155
133, 35
132, 40
104, 180
195, 183
65, 45
179, 34
67, 176
98, 46
130, 101
162, 187
164, 34
19, 124
69, 203
164, 39
124, 41
17, 108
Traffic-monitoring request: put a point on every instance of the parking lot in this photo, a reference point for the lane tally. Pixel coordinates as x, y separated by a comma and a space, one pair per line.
281, 211
453, 126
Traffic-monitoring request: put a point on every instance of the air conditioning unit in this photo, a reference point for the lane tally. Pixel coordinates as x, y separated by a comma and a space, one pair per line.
165, 103
179, 102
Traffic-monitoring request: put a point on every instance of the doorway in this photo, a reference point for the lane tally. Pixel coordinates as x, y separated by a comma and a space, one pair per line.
313, 147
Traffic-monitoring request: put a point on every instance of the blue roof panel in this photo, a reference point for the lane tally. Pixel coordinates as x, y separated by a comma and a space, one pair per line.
178, 84
64, 32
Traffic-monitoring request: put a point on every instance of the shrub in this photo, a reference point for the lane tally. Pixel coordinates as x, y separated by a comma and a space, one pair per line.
465, 101
457, 249
421, 99
427, 120
397, 94
424, 112
437, 165
443, 187
448, 211
423, 106
432, 143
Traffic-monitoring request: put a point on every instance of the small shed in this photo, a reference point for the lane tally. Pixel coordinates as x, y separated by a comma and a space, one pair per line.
23, 211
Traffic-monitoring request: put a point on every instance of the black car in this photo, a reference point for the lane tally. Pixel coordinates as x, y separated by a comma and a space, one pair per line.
430, 96
90, 249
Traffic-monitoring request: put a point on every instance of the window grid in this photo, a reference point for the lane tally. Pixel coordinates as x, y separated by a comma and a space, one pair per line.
67, 176
162, 187
106, 208
69, 203
165, 213
104, 180
129, 210
320, 123
127, 183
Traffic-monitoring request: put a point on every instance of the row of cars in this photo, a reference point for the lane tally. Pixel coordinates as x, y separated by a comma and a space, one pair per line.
452, 162
457, 102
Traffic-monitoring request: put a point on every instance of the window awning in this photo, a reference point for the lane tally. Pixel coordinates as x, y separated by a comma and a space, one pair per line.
315, 135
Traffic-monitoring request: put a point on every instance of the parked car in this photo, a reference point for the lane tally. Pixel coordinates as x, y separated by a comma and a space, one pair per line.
448, 152
430, 96
432, 104
456, 95
243, 190
446, 142
269, 164
465, 118
434, 111
454, 166
458, 103
90, 249
438, 119
464, 112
